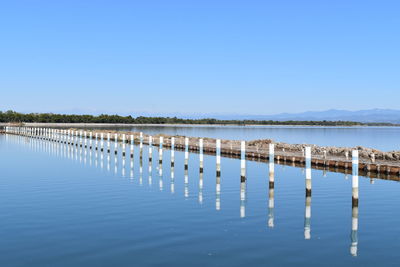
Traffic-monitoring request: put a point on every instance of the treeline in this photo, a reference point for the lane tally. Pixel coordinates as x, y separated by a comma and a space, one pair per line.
15, 117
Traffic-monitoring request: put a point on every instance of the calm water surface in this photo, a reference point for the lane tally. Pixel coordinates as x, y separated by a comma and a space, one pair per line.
382, 138
64, 206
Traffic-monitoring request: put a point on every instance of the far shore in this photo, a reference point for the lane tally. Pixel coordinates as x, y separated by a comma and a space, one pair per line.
36, 124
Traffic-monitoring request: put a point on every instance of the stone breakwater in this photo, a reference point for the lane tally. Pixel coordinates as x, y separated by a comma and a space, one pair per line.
371, 162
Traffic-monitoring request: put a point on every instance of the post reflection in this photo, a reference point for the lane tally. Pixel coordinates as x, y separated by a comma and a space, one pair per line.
131, 168
186, 180
354, 230
123, 166
172, 179
201, 187
243, 198
141, 171
218, 191
160, 175
68, 149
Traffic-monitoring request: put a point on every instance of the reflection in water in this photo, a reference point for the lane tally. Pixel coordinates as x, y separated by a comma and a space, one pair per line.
186, 183
123, 166
354, 230
150, 174
115, 164
172, 179
243, 199
60, 149
160, 174
131, 168
201, 187
218, 192
141, 171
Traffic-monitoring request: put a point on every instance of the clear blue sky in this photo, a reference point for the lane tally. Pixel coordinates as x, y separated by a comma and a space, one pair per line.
245, 57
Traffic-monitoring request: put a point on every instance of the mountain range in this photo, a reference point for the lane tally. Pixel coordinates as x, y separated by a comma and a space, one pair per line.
371, 115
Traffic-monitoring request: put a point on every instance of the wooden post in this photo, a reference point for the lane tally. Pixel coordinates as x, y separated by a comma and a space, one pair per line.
172, 151
150, 150
108, 142
160, 151
308, 171
96, 141
186, 152
102, 141
123, 145
115, 144
132, 146
218, 156
201, 157
242, 161
355, 162
141, 145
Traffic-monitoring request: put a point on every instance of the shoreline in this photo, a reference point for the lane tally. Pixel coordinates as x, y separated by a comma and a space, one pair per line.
56, 124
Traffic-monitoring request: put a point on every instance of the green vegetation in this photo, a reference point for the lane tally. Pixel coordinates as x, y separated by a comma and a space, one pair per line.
12, 116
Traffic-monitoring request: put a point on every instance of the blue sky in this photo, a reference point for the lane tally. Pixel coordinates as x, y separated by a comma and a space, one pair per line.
208, 57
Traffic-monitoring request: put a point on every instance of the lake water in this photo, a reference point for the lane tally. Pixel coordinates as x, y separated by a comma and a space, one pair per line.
382, 138
68, 206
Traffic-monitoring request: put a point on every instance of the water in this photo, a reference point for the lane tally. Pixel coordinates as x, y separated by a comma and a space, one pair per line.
382, 138
65, 206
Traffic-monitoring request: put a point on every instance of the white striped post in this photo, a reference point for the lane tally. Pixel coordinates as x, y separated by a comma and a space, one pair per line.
242, 161
355, 161
201, 156
123, 145
150, 149
186, 152
108, 142
96, 141
172, 151
271, 165
218, 156
160, 151
132, 147
141, 145
102, 142
90, 140
115, 144
308, 172
85, 137
76, 138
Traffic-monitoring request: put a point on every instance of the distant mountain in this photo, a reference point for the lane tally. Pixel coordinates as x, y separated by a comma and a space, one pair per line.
372, 115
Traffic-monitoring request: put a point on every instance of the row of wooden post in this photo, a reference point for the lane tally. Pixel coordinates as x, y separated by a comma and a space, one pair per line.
80, 139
